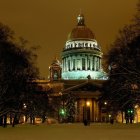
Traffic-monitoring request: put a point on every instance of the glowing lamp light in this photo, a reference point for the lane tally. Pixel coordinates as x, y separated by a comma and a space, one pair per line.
24, 105
136, 106
88, 103
130, 111
105, 103
62, 112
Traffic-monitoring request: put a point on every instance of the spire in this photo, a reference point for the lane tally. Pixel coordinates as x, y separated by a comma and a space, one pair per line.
81, 20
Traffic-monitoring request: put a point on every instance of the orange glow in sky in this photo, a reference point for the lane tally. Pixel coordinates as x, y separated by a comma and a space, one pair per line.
48, 22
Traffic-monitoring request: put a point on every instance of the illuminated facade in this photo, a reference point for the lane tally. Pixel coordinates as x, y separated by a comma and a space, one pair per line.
81, 56
81, 72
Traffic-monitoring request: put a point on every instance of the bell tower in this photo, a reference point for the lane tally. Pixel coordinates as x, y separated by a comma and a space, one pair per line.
55, 70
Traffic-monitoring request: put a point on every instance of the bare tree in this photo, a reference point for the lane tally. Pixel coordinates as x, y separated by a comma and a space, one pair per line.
17, 69
123, 87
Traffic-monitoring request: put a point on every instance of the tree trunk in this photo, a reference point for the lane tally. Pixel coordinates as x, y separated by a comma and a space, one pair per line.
1, 121
5, 120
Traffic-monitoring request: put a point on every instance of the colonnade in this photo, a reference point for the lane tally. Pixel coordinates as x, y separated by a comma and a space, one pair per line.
93, 106
81, 62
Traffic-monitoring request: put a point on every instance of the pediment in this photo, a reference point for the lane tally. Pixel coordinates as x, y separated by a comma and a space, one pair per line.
86, 86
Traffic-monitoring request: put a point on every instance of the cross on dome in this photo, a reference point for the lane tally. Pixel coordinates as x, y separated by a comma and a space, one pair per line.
81, 20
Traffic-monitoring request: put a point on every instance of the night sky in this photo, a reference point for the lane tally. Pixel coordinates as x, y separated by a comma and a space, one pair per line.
47, 22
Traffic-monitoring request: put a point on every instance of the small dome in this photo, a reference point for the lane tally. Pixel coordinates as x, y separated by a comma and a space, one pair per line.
56, 62
81, 31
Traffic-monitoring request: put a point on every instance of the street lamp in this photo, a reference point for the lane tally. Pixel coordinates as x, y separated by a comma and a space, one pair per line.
105, 103
24, 106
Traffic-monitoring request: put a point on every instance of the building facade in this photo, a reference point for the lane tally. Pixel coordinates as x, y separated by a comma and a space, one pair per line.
81, 71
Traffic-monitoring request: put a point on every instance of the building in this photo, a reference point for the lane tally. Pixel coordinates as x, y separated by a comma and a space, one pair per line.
81, 73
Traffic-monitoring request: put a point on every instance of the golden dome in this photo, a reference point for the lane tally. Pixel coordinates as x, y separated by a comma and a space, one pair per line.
81, 31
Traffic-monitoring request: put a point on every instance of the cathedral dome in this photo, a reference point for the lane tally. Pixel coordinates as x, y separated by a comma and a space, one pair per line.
81, 56
81, 31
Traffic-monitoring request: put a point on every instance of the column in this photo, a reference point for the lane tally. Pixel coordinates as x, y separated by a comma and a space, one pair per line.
81, 63
98, 112
93, 112
71, 63
95, 63
85, 113
91, 63
86, 62
100, 63
66, 64
63, 63
76, 63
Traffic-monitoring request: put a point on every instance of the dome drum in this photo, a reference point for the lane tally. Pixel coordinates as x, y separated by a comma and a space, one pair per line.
81, 56
82, 44
79, 50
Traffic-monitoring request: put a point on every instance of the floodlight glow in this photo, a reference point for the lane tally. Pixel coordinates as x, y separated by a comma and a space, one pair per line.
136, 106
88, 103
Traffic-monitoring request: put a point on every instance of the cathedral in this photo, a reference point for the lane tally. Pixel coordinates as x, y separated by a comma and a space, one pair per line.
80, 72
81, 56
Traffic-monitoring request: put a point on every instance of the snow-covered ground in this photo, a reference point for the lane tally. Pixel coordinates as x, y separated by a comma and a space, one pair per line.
77, 131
